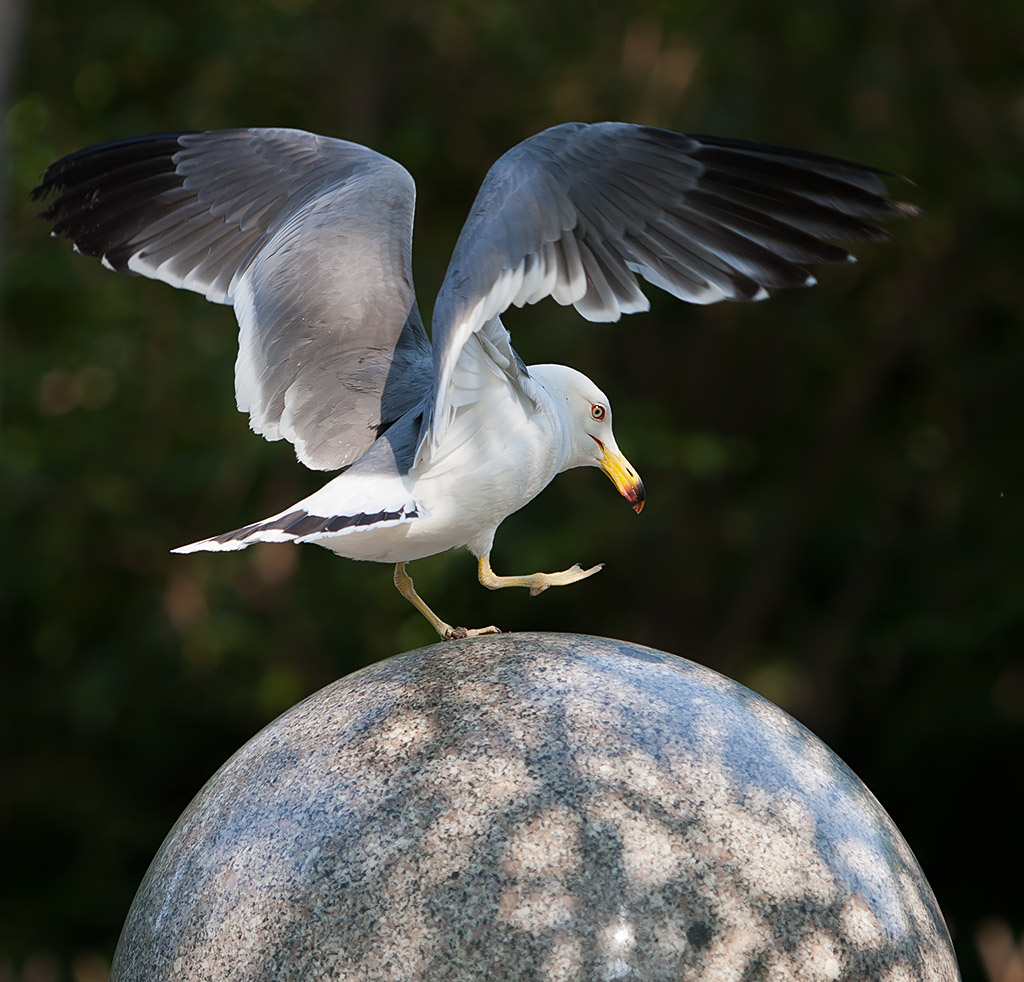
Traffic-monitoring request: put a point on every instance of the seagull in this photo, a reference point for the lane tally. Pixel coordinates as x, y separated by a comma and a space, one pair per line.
438, 440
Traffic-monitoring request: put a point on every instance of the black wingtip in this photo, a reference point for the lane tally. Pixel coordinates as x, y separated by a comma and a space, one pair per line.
97, 163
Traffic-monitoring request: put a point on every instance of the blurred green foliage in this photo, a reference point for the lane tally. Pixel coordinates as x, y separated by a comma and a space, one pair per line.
834, 476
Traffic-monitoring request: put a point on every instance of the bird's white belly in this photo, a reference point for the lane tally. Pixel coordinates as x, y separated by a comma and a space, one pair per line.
479, 476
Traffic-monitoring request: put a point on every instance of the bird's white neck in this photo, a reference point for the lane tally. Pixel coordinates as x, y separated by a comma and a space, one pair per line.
555, 398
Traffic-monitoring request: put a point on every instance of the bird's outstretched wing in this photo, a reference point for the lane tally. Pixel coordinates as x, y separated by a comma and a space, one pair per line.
575, 211
308, 237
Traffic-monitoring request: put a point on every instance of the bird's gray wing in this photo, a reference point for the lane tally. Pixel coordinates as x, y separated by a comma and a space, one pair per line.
575, 211
308, 237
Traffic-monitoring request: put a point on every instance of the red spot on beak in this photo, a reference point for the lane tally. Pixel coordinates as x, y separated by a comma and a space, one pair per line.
621, 473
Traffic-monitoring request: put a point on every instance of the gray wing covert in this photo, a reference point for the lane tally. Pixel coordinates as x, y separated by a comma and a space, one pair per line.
308, 237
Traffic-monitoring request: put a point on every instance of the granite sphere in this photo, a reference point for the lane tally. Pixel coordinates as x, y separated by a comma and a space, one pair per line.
534, 807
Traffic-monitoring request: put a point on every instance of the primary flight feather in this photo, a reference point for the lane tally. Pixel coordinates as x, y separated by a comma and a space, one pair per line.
309, 238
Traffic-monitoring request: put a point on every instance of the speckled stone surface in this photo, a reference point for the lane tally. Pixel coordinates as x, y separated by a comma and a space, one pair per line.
542, 807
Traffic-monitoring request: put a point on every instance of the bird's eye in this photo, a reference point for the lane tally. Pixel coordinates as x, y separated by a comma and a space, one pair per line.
597, 411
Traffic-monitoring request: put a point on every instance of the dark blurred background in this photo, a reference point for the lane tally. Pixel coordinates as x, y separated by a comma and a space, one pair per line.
835, 513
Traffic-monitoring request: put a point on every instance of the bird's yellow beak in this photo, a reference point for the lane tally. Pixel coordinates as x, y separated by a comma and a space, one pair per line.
621, 473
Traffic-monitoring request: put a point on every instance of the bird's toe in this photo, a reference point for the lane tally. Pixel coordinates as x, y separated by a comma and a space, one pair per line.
458, 633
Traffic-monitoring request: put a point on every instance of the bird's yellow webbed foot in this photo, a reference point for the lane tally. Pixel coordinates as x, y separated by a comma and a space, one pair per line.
446, 632
534, 582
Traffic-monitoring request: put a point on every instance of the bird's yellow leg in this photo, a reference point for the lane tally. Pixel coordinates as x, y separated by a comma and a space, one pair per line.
534, 582
406, 588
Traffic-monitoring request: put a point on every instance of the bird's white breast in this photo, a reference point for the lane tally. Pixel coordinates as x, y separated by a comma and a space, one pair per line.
498, 453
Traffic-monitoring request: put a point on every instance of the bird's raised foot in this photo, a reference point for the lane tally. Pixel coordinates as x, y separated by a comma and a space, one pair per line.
539, 582
458, 633
534, 582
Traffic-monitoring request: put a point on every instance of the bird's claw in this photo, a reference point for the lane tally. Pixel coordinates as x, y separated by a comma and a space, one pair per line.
458, 633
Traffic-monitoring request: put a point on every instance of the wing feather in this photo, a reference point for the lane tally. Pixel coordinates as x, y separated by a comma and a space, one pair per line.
308, 237
581, 209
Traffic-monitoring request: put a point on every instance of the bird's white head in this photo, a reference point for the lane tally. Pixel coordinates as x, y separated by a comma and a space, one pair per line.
587, 420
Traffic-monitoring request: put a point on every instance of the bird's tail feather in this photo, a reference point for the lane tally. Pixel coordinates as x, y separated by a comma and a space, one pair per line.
300, 525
